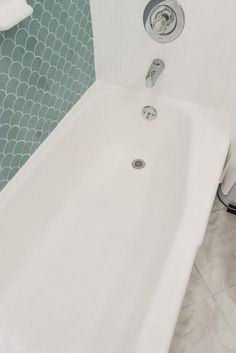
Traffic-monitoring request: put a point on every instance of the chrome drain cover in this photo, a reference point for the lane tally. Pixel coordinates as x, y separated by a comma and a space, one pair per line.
138, 164
149, 112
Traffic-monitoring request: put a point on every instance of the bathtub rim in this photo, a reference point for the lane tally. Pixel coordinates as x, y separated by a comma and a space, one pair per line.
149, 327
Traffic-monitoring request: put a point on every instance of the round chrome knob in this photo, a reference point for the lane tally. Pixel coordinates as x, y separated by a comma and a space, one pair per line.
159, 25
163, 20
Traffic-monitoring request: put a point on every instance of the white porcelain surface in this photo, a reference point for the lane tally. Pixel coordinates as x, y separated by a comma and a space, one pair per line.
12, 12
99, 254
200, 64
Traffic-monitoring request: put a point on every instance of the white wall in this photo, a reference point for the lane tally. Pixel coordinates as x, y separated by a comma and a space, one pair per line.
200, 64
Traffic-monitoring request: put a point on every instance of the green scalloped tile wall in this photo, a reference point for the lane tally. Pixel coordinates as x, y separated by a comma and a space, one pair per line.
46, 65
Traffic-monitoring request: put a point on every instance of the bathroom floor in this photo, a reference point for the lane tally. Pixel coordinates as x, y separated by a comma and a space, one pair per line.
207, 321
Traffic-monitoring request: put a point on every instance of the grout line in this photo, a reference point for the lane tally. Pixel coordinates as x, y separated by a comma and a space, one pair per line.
225, 289
225, 317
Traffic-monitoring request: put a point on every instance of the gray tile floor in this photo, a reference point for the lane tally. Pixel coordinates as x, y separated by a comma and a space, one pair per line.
207, 321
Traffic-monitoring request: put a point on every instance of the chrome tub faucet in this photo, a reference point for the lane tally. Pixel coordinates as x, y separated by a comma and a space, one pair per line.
156, 68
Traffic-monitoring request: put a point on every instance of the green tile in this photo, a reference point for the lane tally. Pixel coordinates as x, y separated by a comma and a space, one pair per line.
9, 147
46, 17
63, 17
27, 106
6, 117
30, 92
21, 37
39, 48
56, 10
12, 172
35, 145
18, 53
24, 74
3, 80
12, 133
24, 159
9, 101
29, 135
15, 69
19, 148
3, 183
38, 95
22, 89
38, 11
7, 47
22, 133
15, 162
53, 25
44, 68
16, 117
32, 122
5, 64
47, 63
27, 59
35, 108
39, 124
50, 40
34, 26
36, 64
6, 160
19, 103
47, 54
42, 33
4, 173
34, 76
60, 31
3, 142
31, 43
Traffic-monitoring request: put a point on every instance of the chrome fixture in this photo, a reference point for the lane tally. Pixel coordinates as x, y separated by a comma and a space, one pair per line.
229, 200
149, 112
163, 20
156, 68
138, 164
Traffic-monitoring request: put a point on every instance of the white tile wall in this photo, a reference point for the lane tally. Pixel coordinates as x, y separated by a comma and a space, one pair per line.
200, 64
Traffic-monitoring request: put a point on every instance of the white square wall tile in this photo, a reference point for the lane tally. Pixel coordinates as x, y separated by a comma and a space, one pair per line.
189, 74
137, 54
106, 15
200, 64
107, 48
131, 20
206, 27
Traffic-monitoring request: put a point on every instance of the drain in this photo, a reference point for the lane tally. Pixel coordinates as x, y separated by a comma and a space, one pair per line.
138, 164
149, 112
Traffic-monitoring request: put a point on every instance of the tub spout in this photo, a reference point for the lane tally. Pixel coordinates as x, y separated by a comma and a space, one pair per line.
154, 72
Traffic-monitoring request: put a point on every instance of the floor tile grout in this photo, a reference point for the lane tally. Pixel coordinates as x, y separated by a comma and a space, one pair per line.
206, 322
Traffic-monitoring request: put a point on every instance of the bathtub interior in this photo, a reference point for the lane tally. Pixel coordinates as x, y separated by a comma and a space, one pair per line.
101, 150
91, 235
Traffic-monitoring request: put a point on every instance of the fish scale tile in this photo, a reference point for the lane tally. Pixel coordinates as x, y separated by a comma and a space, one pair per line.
46, 65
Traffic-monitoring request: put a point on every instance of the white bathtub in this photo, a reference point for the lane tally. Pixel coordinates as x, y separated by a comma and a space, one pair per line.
95, 255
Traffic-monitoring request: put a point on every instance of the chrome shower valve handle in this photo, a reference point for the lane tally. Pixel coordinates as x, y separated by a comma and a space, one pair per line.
163, 20
160, 24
